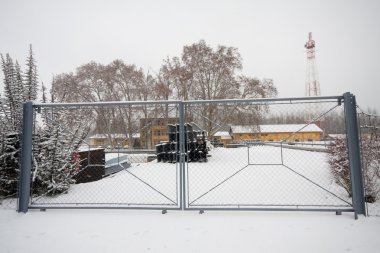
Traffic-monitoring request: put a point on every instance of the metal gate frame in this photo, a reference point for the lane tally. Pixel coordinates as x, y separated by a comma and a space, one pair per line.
347, 98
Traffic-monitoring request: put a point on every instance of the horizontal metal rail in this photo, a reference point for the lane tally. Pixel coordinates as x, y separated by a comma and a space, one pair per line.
262, 100
199, 208
106, 104
174, 102
159, 207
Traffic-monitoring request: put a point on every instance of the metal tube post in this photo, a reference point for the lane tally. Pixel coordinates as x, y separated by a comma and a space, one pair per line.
26, 157
357, 185
182, 154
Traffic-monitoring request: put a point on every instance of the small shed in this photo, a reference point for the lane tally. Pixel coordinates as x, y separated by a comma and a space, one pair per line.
221, 137
91, 166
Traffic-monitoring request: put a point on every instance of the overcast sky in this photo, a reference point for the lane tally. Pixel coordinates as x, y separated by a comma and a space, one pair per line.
269, 35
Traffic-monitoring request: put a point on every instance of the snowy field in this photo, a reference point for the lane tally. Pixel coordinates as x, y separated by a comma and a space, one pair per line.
264, 175
259, 176
62, 231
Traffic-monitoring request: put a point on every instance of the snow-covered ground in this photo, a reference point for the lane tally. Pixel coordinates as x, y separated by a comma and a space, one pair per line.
261, 176
62, 231
257, 176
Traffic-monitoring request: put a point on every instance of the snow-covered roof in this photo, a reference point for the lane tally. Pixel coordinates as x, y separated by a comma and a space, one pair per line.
282, 128
222, 133
225, 135
88, 148
114, 136
337, 136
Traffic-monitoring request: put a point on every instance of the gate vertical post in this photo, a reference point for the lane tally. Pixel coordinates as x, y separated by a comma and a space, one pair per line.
26, 157
357, 185
182, 155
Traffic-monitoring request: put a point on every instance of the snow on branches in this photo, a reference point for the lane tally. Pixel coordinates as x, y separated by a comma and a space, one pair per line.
340, 170
56, 142
339, 164
15, 94
53, 144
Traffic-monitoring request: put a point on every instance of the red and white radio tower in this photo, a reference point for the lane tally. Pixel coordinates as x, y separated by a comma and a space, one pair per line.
312, 79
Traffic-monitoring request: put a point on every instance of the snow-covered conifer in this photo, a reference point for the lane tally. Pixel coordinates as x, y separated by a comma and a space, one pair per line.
59, 135
31, 77
10, 117
57, 140
9, 159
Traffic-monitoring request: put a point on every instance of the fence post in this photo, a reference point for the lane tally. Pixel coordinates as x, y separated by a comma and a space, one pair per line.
357, 185
182, 154
26, 157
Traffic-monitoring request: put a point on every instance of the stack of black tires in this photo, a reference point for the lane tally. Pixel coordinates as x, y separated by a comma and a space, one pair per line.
195, 145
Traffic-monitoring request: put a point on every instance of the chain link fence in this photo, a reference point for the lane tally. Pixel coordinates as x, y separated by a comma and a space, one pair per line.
266, 154
103, 156
370, 150
9, 203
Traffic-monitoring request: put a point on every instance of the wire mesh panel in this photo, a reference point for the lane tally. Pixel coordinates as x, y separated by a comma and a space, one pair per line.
370, 154
102, 155
282, 154
269, 155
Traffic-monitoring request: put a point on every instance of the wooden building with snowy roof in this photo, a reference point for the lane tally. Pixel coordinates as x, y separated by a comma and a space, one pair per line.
281, 132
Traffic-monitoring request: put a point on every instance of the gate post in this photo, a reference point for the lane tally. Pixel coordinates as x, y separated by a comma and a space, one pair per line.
182, 155
357, 185
26, 157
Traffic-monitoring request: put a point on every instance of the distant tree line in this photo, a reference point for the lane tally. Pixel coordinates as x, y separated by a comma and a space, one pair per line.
200, 73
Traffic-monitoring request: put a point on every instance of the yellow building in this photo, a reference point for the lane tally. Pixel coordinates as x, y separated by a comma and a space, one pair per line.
112, 140
154, 131
285, 132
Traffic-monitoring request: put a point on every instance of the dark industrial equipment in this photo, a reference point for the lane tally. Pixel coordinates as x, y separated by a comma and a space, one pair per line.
195, 145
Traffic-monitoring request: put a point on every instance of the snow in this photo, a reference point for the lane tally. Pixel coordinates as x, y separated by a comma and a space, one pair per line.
224, 135
120, 230
266, 176
62, 231
113, 136
87, 148
280, 128
132, 157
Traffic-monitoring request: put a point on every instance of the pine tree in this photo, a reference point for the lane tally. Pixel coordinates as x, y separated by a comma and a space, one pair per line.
17, 90
31, 77
53, 144
9, 105
10, 126
56, 141
9, 160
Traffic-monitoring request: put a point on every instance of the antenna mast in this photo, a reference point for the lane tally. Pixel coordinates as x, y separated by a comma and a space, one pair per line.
312, 79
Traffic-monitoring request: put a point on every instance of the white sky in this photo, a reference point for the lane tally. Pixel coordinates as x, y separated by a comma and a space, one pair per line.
269, 35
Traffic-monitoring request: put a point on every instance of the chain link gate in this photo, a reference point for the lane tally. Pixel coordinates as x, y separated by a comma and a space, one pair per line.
110, 168
274, 157
273, 161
